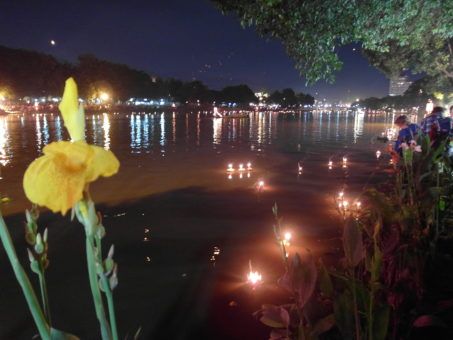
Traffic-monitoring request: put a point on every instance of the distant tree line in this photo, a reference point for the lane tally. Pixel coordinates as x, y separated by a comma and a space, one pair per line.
28, 73
416, 95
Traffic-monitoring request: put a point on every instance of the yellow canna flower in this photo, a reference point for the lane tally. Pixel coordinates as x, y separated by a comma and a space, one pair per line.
73, 113
57, 179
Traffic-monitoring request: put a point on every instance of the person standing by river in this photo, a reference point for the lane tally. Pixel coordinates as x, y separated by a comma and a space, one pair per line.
430, 125
408, 131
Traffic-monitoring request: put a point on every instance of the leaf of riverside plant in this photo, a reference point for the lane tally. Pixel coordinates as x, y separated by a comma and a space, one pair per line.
56, 334
352, 242
301, 277
323, 325
381, 322
275, 316
325, 282
343, 312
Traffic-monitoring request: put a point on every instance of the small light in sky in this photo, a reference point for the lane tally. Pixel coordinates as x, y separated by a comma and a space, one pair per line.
52, 42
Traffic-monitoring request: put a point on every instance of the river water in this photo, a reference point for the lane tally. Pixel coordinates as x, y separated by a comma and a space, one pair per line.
184, 227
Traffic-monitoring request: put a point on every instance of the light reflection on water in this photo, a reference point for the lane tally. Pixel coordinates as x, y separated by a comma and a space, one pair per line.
195, 146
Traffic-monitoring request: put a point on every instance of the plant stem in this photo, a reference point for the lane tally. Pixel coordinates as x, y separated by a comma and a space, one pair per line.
24, 282
110, 305
356, 313
44, 295
108, 292
370, 315
95, 290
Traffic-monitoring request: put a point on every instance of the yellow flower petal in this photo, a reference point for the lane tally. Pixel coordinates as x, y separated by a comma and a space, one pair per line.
73, 113
57, 179
104, 164
47, 183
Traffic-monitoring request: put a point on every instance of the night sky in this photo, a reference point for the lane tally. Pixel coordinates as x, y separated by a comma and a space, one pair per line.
185, 39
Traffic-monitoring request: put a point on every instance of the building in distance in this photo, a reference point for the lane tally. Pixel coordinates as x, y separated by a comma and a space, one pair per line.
399, 85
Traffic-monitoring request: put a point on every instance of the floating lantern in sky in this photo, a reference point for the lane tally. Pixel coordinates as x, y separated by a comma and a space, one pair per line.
378, 154
249, 166
330, 165
241, 167
52, 42
299, 167
260, 184
230, 167
358, 204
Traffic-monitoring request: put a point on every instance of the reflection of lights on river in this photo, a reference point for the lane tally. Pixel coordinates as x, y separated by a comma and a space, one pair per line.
217, 131
162, 129
106, 128
58, 129
38, 133
358, 125
3, 141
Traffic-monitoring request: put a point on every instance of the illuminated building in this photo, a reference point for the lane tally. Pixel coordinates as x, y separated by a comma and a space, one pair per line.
398, 85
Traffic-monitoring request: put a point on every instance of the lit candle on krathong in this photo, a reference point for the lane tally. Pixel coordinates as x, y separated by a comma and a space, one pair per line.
254, 278
260, 185
230, 167
378, 154
345, 162
287, 238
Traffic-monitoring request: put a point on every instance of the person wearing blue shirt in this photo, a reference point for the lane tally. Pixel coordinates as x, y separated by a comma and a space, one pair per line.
408, 131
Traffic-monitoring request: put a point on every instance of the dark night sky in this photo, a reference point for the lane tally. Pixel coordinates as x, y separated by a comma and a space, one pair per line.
185, 39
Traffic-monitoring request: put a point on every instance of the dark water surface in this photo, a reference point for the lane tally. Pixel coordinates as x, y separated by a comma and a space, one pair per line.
172, 207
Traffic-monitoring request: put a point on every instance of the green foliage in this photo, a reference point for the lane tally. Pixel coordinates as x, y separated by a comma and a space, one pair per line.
395, 35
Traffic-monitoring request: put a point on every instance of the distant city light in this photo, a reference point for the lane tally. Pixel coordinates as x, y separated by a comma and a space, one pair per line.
104, 96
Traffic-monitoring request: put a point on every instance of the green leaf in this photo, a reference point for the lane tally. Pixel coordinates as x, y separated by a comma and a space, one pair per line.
343, 311
275, 316
323, 325
352, 242
325, 282
56, 334
381, 322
